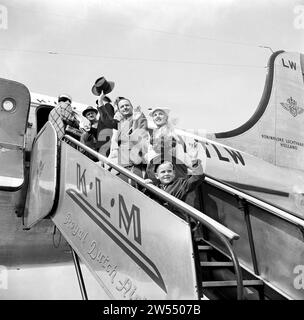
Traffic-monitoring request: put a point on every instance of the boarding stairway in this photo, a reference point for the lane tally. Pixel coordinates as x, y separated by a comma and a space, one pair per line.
224, 250
281, 230
219, 279
220, 274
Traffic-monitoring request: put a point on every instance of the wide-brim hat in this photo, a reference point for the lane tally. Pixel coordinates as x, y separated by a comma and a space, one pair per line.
89, 108
101, 85
164, 109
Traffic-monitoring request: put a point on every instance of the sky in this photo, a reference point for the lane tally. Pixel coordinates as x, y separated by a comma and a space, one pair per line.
204, 59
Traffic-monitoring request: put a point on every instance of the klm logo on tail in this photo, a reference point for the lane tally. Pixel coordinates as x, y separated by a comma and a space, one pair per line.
292, 107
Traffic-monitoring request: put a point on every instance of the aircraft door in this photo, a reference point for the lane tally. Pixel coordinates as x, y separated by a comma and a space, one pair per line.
14, 109
43, 176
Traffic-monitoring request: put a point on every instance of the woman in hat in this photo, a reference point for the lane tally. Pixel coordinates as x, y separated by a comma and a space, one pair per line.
166, 145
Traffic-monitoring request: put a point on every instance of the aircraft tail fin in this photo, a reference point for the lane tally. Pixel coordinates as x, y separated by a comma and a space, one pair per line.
275, 132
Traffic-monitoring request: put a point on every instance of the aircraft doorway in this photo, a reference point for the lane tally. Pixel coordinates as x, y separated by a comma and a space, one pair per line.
42, 114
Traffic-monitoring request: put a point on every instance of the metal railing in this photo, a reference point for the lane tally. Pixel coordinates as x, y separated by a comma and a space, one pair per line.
235, 191
257, 202
243, 200
225, 235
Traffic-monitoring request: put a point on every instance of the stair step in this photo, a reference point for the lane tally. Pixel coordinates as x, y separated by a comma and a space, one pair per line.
231, 283
204, 248
216, 264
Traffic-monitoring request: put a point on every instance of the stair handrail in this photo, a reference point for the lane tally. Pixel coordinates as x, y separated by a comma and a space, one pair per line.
284, 214
255, 201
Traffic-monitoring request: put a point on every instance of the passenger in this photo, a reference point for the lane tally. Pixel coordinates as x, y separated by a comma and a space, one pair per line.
91, 114
177, 186
106, 122
89, 137
63, 116
130, 139
165, 144
107, 113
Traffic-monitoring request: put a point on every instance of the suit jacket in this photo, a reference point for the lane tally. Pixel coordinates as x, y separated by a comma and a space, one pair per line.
130, 141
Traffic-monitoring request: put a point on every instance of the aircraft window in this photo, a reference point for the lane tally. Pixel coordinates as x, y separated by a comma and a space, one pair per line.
42, 114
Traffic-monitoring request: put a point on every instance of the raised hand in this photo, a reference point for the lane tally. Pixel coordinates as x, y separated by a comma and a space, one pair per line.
101, 100
136, 112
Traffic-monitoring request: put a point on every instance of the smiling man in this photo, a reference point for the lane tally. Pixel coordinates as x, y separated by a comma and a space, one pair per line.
89, 137
130, 140
91, 114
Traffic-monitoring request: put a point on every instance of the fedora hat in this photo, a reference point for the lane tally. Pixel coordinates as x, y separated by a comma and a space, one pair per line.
89, 108
102, 85
164, 109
